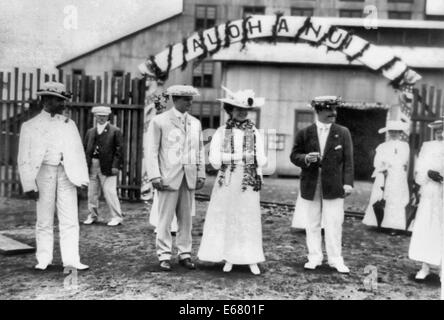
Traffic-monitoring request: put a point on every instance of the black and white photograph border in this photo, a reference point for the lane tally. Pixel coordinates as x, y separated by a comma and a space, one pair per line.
221, 150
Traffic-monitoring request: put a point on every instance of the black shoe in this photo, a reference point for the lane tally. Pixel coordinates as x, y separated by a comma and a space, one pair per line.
187, 264
165, 265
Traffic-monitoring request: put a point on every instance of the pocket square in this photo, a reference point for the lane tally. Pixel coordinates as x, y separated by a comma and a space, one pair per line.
338, 147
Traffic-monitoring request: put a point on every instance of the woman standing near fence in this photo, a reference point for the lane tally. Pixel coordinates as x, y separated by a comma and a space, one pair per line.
233, 230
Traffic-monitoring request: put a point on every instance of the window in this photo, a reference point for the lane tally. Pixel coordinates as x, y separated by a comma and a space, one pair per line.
207, 112
78, 72
118, 74
304, 12
437, 38
349, 13
203, 75
276, 142
205, 17
402, 15
302, 120
417, 37
248, 11
438, 18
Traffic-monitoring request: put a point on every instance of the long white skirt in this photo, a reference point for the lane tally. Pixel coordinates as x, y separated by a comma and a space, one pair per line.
396, 196
233, 229
426, 243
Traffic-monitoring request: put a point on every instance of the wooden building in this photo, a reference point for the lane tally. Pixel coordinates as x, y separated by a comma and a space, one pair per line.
289, 75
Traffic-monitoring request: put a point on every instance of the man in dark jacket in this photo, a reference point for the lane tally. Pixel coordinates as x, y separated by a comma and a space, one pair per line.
103, 148
324, 152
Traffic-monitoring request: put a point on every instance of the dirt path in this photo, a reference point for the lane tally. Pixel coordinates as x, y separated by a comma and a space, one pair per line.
124, 265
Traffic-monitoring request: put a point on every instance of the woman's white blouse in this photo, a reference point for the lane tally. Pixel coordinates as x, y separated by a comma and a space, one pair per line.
218, 155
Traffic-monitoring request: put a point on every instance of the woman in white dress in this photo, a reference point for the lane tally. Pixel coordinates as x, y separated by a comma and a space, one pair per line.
426, 242
391, 168
233, 229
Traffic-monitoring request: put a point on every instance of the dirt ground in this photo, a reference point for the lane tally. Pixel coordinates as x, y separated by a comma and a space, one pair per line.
124, 265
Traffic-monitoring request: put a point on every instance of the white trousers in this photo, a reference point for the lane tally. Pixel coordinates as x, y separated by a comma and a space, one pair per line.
108, 184
328, 214
171, 203
56, 191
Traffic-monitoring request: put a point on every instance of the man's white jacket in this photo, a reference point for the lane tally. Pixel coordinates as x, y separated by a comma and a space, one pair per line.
172, 151
32, 151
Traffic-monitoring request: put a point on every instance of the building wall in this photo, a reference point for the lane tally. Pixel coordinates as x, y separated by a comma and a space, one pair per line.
288, 88
132, 50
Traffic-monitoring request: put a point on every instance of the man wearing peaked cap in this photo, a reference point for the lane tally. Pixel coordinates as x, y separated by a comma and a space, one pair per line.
103, 146
324, 152
51, 163
176, 167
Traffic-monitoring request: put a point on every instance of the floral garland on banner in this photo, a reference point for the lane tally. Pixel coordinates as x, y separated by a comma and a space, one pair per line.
184, 54
406, 76
227, 41
250, 176
275, 26
305, 26
244, 39
218, 41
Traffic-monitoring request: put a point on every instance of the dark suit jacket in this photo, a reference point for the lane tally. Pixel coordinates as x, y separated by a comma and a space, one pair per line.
110, 155
337, 162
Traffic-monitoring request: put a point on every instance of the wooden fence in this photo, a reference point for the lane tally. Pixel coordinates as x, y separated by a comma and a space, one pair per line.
427, 107
124, 95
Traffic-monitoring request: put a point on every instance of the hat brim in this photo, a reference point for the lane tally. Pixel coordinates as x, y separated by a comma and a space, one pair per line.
236, 104
50, 93
384, 130
436, 126
101, 113
183, 95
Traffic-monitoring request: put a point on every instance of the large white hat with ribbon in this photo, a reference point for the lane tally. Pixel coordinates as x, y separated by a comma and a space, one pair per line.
101, 110
242, 99
56, 89
395, 126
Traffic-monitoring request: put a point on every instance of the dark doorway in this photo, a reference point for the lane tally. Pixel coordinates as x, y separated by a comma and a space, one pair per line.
363, 126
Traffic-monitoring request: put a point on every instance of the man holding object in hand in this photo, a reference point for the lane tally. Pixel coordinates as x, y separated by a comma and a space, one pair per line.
52, 163
324, 152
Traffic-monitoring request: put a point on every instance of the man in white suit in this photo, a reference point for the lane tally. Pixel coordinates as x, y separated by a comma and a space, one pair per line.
52, 163
176, 167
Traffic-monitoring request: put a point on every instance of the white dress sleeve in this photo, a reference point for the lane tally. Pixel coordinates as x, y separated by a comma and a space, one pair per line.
421, 167
217, 155
260, 150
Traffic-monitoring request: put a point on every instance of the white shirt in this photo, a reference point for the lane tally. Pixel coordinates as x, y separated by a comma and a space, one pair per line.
181, 116
323, 131
101, 127
52, 138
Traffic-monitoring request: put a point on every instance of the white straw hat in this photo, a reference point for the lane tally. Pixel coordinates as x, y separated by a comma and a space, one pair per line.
395, 126
101, 110
56, 89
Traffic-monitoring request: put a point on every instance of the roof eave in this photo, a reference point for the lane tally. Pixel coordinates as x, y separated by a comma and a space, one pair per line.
62, 64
